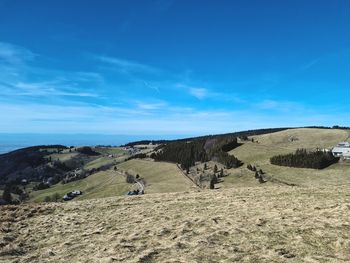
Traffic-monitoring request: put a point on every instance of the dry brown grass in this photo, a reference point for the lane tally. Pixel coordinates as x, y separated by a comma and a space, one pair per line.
260, 224
259, 154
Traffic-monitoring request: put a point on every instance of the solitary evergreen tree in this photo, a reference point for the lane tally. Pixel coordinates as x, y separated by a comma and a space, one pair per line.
256, 175
205, 166
215, 168
6, 195
221, 173
212, 183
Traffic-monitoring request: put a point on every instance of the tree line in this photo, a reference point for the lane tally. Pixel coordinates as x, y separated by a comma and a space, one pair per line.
187, 153
305, 159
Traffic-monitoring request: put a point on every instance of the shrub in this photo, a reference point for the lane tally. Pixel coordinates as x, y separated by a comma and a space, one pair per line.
130, 179
41, 186
257, 175
55, 197
6, 195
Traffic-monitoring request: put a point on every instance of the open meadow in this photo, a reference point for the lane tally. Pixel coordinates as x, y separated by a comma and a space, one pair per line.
267, 145
256, 224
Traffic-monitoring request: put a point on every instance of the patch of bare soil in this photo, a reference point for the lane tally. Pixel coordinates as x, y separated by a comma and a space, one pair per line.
262, 224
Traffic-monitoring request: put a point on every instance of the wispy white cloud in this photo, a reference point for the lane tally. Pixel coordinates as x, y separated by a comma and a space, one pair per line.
202, 93
278, 105
310, 64
124, 65
13, 54
199, 93
150, 106
150, 86
134, 120
42, 89
19, 76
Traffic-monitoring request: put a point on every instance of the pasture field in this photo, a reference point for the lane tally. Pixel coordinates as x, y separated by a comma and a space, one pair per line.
161, 177
248, 224
284, 142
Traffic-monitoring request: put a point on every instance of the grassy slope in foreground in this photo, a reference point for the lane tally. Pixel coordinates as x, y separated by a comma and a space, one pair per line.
280, 143
261, 224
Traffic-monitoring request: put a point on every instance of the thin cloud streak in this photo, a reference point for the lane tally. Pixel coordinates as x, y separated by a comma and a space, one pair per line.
125, 65
199, 93
142, 120
15, 55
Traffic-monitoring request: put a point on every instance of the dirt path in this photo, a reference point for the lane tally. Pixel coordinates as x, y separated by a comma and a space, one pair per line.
188, 177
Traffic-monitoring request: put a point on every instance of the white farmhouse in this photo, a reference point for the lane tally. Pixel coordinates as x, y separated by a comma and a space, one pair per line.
342, 148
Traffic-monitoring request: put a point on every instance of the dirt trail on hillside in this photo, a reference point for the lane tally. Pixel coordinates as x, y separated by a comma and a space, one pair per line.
262, 224
188, 177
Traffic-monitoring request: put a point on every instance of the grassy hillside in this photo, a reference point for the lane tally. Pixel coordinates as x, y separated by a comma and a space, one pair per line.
161, 177
261, 224
99, 162
286, 142
166, 177
101, 184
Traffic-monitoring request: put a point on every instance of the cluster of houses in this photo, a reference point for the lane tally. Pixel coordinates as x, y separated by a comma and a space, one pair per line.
342, 150
131, 150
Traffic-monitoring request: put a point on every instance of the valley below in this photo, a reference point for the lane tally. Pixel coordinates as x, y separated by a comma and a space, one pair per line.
288, 214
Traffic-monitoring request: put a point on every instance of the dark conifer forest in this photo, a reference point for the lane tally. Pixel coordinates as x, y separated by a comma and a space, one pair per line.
305, 159
204, 149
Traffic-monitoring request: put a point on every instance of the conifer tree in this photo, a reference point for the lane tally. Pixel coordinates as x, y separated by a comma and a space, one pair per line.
6, 195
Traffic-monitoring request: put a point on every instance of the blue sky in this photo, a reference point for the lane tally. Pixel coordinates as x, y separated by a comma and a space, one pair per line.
166, 67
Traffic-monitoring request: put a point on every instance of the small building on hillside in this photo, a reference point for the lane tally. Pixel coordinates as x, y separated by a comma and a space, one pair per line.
341, 149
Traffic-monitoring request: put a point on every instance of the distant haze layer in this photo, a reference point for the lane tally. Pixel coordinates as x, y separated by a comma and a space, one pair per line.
10, 142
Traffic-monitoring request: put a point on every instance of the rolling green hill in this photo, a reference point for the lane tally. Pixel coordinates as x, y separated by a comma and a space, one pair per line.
267, 145
160, 177
101, 184
246, 222
163, 177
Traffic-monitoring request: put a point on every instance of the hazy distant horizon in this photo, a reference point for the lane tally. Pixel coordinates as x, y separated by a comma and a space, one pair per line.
11, 142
